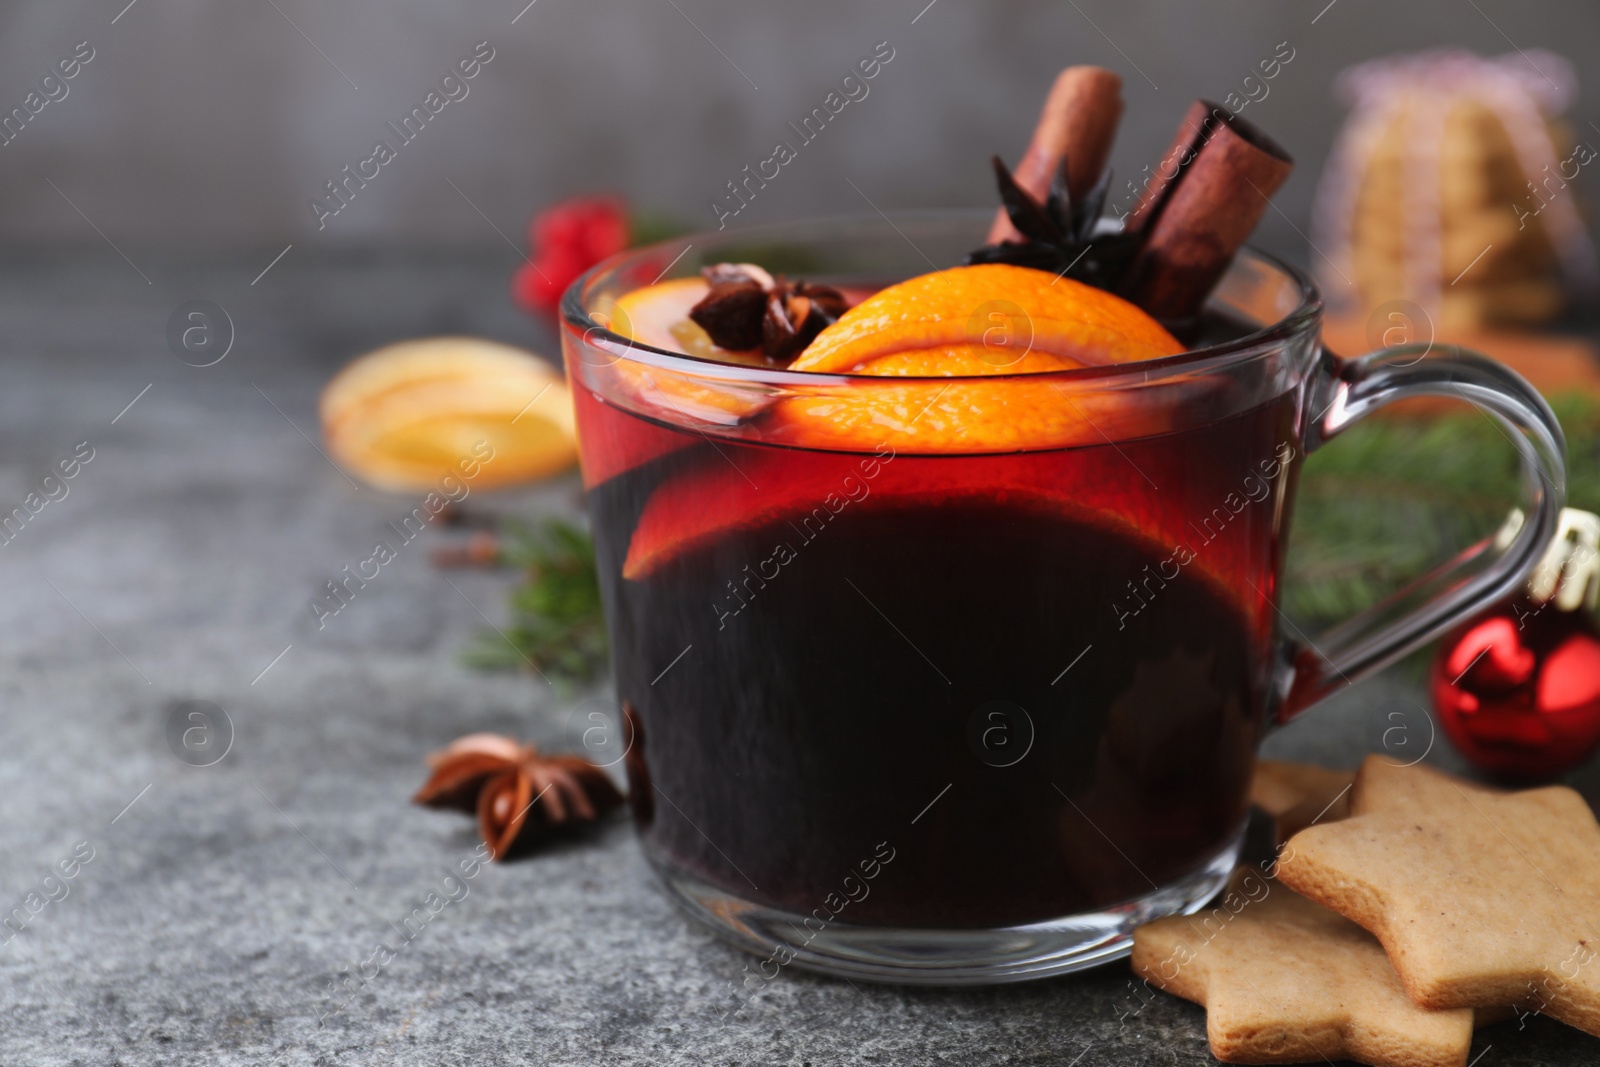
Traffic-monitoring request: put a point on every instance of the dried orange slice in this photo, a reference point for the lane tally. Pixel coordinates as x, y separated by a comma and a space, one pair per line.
405, 416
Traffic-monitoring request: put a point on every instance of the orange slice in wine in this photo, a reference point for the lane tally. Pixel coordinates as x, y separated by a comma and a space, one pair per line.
658, 315
970, 324
999, 313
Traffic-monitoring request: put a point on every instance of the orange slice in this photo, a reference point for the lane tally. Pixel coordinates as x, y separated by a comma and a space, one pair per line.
962, 417
1008, 312
614, 441
973, 323
658, 315
405, 416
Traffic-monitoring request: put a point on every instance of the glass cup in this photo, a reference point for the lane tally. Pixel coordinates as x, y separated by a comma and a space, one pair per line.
958, 680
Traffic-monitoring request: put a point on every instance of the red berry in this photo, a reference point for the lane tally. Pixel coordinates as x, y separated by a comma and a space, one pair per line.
568, 238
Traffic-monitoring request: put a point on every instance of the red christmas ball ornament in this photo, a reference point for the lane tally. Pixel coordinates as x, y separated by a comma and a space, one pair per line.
567, 239
1518, 688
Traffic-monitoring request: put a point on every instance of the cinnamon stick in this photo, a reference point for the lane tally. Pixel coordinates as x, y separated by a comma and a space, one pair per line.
1210, 192
1078, 122
1191, 131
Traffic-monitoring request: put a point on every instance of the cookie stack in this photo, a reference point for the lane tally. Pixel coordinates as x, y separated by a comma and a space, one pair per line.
1452, 188
1386, 936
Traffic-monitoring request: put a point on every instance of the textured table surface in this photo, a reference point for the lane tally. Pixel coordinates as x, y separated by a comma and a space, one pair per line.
221, 901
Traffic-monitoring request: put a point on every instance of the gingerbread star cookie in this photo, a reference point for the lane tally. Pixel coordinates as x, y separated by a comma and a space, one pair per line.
1284, 980
1296, 795
1481, 898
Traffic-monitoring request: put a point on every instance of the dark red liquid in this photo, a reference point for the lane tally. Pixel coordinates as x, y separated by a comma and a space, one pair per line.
815, 674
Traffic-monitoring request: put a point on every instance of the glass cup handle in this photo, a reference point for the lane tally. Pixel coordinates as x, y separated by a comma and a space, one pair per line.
1350, 389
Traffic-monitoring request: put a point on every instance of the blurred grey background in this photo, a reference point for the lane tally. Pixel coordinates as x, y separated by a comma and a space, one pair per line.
211, 124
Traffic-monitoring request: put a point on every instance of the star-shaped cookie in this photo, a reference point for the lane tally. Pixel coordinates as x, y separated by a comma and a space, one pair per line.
1284, 980
1297, 795
1481, 898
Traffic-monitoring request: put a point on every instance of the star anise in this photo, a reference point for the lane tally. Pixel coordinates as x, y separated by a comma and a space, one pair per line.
1060, 236
747, 309
514, 790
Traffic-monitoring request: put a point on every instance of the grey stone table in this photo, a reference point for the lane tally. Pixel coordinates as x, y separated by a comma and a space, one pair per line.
221, 902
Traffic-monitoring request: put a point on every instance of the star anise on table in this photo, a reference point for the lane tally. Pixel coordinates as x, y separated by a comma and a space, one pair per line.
515, 791
1060, 235
747, 309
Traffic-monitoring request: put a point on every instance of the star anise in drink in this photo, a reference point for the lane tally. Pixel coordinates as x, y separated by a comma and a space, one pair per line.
1059, 235
516, 792
748, 309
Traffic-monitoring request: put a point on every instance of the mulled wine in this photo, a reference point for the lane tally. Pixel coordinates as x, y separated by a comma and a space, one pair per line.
1037, 679
942, 577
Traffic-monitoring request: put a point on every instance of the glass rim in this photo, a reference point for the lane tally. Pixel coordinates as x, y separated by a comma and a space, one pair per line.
577, 317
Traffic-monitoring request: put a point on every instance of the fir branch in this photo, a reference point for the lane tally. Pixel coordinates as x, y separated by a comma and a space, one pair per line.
1392, 497
556, 619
